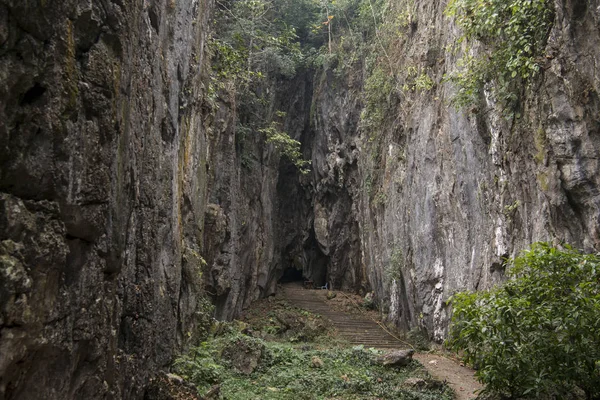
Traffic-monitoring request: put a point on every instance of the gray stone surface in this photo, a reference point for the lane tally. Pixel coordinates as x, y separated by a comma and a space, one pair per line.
431, 203
259, 217
397, 358
102, 193
434, 201
122, 191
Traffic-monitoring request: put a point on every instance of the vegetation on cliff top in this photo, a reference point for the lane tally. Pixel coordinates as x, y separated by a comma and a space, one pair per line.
255, 43
512, 36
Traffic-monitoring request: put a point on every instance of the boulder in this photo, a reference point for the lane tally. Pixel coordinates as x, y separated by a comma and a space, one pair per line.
397, 358
244, 355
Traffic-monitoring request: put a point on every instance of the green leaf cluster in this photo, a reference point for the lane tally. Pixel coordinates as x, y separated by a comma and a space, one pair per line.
539, 333
378, 92
255, 45
290, 148
393, 270
252, 41
513, 34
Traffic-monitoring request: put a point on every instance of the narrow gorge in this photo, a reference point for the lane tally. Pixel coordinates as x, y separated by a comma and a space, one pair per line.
144, 180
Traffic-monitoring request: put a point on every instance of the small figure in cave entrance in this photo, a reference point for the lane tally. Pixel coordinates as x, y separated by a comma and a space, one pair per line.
308, 284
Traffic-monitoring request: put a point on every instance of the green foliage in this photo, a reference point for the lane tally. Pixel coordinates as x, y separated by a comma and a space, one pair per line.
302, 16
289, 372
371, 31
509, 209
253, 41
539, 333
513, 34
255, 45
417, 81
378, 93
204, 320
288, 147
393, 270
200, 366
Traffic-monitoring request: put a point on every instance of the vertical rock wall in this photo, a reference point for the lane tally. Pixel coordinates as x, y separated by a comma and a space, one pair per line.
118, 183
441, 196
259, 212
430, 203
102, 192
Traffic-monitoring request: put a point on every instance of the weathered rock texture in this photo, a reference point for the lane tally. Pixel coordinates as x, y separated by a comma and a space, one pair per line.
102, 192
118, 181
259, 215
434, 201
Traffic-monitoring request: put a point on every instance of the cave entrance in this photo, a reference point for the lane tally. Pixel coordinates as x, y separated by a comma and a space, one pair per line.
292, 274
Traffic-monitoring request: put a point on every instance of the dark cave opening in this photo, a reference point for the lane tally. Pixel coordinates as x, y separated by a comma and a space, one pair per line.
312, 265
33, 94
292, 274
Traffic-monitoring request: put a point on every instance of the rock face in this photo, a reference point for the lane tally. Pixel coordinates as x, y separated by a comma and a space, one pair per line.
429, 204
436, 199
102, 193
123, 192
260, 215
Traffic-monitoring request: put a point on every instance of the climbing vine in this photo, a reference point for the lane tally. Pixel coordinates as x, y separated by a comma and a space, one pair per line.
513, 35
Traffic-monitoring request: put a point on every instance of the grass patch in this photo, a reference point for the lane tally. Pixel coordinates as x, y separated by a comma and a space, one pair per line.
282, 352
290, 371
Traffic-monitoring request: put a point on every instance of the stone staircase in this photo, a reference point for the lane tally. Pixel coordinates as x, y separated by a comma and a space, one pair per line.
356, 329
359, 330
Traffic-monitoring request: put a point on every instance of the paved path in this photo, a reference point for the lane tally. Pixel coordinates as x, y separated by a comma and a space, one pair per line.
360, 330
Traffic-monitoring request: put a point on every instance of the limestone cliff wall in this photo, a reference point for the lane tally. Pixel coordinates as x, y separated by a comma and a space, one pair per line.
260, 211
438, 197
124, 190
433, 201
102, 192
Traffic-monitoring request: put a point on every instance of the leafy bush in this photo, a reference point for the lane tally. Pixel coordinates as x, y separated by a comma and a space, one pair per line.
539, 333
392, 271
200, 366
514, 34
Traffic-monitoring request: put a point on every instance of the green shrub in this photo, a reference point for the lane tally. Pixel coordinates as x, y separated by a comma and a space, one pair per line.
288, 147
378, 92
539, 333
201, 366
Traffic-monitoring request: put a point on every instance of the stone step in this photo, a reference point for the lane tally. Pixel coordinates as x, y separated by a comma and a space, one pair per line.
356, 329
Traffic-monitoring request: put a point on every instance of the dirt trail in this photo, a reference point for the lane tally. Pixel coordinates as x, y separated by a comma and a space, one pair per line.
461, 379
362, 330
